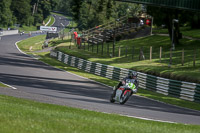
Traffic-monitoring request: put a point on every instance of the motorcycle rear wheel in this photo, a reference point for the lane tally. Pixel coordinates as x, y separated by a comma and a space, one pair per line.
112, 100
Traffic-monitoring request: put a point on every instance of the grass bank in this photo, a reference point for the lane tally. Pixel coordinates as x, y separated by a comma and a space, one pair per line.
3, 85
52, 21
28, 116
157, 67
32, 44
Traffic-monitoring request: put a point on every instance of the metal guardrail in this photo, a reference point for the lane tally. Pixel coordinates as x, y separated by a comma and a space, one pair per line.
179, 89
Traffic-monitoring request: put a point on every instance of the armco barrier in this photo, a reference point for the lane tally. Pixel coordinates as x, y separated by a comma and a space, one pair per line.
183, 90
10, 32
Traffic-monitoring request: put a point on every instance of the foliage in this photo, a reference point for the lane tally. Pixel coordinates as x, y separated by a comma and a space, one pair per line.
91, 13
165, 16
64, 6
22, 116
25, 12
5, 13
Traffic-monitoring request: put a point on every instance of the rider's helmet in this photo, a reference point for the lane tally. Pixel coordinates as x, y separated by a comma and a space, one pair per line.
133, 75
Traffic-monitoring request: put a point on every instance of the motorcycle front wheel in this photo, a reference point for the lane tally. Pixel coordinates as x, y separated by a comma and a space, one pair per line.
124, 96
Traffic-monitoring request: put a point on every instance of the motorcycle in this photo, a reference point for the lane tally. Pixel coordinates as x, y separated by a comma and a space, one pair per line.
123, 93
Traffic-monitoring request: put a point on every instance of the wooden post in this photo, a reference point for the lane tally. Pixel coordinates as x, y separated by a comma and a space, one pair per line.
183, 57
108, 49
126, 51
141, 54
150, 53
84, 44
97, 47
70, 42
194, 59
119, 51
102, 48
160, 54
133, 53
170, 57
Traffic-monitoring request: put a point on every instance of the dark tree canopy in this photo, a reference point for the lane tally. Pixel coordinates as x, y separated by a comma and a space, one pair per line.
25, 12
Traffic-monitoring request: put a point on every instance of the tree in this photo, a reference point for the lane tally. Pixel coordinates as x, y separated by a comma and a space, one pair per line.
6, 17
64, 6
126, 9
22, 11
165, 16
76, 6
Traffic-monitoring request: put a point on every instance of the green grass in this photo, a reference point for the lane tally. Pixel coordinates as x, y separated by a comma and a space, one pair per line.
154, 67
52, 21
34, 42
186, 31
28, 28
3, 85
28, 116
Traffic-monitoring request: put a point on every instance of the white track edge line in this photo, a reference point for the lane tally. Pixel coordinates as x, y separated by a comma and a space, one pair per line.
9, 86
143, 118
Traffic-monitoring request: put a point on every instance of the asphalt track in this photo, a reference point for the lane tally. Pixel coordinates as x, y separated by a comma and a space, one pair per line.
38, 81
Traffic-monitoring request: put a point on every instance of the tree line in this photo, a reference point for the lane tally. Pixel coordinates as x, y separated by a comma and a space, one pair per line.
91, 13
25, 12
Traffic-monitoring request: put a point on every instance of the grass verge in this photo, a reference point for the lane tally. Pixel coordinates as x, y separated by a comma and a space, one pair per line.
3, 85
32, 44
52, 21
28, 116
186, 31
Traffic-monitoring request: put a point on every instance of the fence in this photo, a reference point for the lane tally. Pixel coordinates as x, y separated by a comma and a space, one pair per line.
179, 57
183, 90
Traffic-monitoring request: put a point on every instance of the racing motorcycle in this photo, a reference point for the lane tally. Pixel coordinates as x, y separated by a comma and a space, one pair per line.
123, 93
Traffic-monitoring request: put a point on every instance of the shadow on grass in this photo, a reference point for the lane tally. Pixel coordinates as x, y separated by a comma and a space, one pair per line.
57, 42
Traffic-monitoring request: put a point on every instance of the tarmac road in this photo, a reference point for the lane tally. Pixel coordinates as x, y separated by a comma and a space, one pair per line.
38, 81
60, 22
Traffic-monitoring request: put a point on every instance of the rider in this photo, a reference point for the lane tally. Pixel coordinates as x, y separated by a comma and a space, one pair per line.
132, 75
